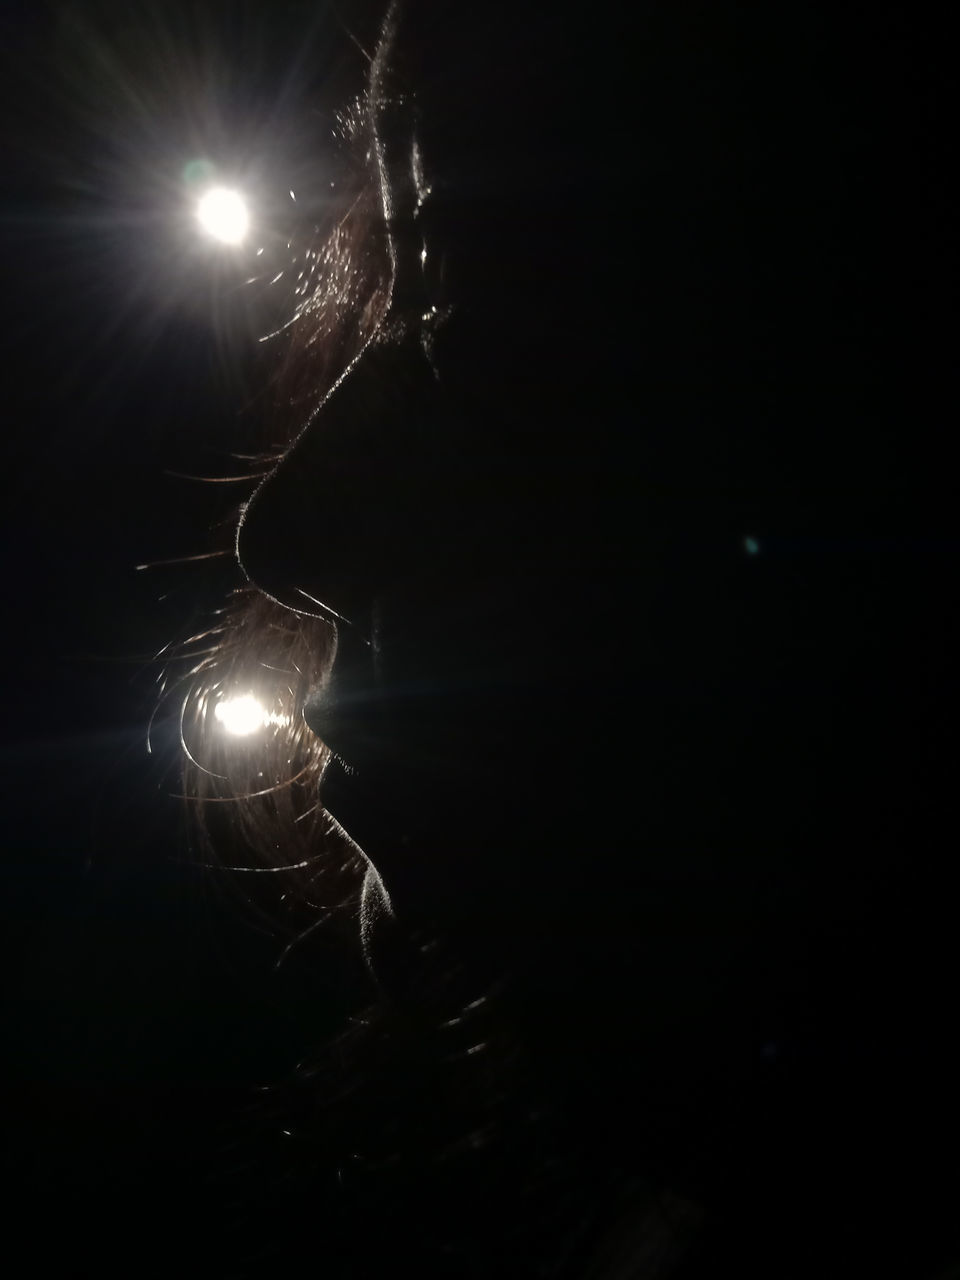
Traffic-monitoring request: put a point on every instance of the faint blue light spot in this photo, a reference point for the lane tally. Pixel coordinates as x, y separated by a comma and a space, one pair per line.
197, 171
751, 546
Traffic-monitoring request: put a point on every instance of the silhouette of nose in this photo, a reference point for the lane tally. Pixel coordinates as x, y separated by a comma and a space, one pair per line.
334, 522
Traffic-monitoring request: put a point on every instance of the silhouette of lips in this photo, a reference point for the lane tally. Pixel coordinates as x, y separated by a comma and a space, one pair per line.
352, 717
363, 808
336, 710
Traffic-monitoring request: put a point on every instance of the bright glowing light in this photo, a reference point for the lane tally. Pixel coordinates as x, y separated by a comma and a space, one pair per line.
245, 714
241, 716
223, 213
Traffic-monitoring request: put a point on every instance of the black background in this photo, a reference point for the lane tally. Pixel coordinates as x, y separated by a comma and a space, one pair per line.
142, 1002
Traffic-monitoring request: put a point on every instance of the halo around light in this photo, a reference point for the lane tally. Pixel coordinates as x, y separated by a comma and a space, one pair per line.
223, 214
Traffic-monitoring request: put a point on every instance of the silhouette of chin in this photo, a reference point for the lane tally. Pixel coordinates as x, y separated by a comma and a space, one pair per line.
387, 951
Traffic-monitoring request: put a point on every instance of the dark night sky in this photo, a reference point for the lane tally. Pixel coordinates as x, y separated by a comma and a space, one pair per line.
118, 371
